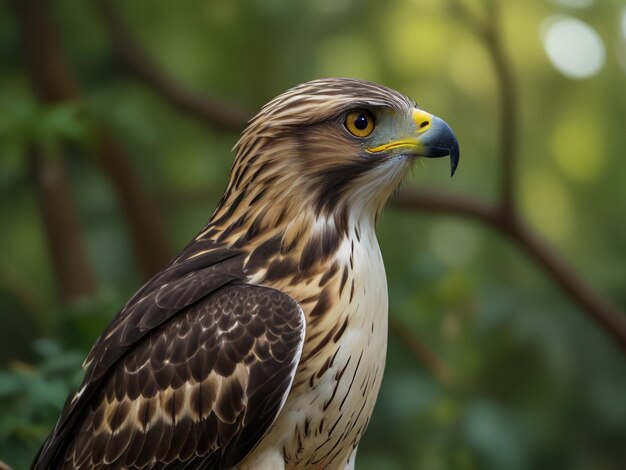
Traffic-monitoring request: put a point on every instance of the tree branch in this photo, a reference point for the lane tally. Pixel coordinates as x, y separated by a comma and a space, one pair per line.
438, 202
508, 110
421, 353
70, 263
601, 310
505, 216
214, 112
488, 31
151, 245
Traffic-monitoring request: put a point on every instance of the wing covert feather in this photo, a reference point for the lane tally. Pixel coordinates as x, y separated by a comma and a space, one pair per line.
199, 391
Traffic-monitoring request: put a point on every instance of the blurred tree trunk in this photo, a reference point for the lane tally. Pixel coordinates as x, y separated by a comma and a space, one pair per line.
69, 260
54, 82
150, 242
71, 265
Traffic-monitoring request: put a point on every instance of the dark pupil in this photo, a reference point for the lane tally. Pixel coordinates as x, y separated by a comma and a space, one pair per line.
360, 122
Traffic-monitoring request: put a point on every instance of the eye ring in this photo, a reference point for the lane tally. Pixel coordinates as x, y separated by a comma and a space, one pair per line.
359, 123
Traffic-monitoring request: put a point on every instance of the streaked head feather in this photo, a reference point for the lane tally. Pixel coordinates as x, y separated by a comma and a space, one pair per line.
296, 156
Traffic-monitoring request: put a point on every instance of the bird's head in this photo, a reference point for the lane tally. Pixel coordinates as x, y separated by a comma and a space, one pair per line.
334, 144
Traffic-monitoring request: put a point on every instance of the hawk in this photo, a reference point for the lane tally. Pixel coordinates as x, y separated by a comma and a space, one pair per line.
262, 345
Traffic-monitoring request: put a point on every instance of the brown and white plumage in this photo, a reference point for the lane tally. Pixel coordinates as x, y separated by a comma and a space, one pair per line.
262, 345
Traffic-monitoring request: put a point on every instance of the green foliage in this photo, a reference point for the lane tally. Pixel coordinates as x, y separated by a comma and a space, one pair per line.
535, 383
31, 398
26, 122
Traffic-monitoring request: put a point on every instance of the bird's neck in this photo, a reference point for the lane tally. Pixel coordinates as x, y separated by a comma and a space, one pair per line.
283, 236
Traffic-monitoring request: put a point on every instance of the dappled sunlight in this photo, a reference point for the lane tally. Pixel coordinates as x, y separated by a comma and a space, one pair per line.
574, 48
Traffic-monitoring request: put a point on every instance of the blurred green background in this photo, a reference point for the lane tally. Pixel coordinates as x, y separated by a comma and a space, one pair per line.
528, 381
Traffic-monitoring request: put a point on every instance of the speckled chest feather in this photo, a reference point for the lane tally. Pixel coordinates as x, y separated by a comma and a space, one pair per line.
337, 381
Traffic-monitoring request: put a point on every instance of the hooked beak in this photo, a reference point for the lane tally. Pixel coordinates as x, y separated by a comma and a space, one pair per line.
433, 138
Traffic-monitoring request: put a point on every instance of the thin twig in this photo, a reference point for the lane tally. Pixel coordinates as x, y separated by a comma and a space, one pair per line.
72, 267
439, 202
488, 31
508, 110
212, 111
600, 309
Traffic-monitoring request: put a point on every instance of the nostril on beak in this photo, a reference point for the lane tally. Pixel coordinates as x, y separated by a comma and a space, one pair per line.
422, 119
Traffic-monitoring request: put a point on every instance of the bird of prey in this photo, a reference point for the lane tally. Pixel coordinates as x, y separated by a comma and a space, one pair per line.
262, 345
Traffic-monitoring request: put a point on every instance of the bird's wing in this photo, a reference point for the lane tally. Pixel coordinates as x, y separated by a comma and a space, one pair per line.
199, 270
202, 387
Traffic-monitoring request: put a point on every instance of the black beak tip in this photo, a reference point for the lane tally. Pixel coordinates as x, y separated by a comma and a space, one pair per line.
442, 142
454, 158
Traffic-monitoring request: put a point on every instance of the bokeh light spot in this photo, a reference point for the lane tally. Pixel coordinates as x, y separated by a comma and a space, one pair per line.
574, 48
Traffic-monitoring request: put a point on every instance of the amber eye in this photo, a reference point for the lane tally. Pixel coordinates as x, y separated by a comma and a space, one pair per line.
359, 123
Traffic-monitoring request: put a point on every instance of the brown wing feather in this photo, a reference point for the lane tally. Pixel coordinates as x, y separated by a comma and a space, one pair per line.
201, 268
198, 392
